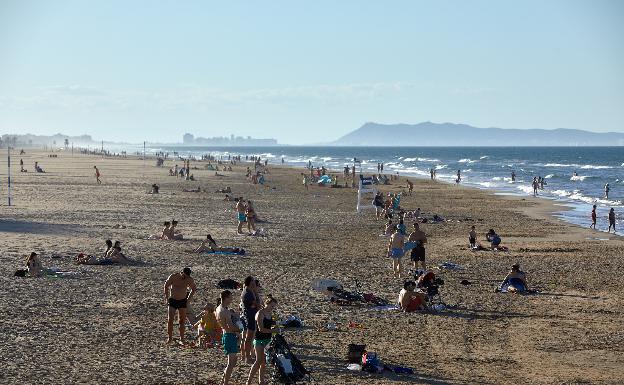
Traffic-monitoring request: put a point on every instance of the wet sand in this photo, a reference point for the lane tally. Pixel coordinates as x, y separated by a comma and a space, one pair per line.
107, 325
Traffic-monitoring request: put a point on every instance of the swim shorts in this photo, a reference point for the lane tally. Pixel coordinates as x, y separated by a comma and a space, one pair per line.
396, 253
230, 343
249, 320
177, 303
418, 254
261, 342
242, 217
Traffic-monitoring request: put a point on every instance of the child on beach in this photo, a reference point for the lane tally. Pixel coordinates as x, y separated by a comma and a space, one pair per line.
472, 238
207, 327
593, 218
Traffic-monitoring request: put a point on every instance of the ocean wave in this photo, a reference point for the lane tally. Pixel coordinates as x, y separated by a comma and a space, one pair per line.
497, 178
466, 160
486, 184
427, 160
409, 159
589, 166
559, 165
525, 189
484, 157
327, 158
441, 166
578, 177
549, 176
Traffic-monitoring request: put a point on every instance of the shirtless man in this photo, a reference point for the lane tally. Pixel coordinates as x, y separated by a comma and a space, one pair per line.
409, 300
240, 211
395, 251
418, 253
229, 340
177, 299
515, 280
97, 175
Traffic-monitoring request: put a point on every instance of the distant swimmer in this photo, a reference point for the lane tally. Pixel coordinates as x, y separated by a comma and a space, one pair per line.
611, 220
574, 173
606, 190
513, 176
593, 218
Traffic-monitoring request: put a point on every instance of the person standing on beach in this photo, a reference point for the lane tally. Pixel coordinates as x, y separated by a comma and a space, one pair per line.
305, 181
97, 175
250, 216
177, 299
458, 180
240, 212
381, 166
417, 254
249, 308
431, 173
513, 176
606, 190
535, 186
396, 251
611, 220
593, 218
226, 318
410, 187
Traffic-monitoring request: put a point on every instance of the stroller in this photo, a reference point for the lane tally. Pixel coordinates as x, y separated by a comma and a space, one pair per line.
285, 366
428, 283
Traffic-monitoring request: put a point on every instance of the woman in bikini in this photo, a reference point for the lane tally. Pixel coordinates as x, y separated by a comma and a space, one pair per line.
265, 327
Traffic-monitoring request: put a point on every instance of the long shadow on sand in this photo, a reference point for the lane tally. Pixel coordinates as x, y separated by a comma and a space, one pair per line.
337, 366
473, 314
16, 226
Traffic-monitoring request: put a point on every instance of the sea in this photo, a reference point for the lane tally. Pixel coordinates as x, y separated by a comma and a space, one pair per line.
575, 176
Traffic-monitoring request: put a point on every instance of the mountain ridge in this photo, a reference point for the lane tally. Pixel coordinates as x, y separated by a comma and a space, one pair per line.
459, 134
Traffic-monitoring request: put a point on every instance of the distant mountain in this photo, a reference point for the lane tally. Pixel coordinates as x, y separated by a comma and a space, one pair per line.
450, 134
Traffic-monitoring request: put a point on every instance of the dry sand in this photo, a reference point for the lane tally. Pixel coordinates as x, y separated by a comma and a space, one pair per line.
108, 324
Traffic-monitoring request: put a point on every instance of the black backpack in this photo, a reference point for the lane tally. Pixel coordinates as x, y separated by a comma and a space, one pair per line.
228, 284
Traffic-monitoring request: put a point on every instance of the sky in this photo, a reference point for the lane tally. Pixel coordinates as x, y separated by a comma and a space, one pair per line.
306, 72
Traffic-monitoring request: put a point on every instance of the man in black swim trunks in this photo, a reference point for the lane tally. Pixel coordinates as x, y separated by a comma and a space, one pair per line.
418, 253
177, 297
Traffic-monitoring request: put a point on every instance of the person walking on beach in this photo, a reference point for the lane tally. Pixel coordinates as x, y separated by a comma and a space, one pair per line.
177, 299
431, 173
97, 175
410, 187
458, 180
513, 176
240, 212
593, 218
381, 166
395, 251
611, 220
226, 318
606, 190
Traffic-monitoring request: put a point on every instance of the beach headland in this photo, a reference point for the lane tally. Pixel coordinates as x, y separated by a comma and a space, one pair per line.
106, 324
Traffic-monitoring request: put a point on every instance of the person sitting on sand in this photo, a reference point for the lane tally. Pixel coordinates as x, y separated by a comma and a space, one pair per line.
409, 299
265, 328
493, 238
515, 281
395, 251
210, 245
34, 266
207, 327
169, 232
165, 231
472, 238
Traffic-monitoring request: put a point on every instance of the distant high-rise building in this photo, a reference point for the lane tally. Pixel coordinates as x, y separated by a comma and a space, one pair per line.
188, 138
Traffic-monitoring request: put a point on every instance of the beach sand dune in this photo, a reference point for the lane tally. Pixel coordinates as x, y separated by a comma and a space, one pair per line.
106, 324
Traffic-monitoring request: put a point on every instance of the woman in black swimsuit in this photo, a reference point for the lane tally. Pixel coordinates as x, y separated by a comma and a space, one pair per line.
265, 326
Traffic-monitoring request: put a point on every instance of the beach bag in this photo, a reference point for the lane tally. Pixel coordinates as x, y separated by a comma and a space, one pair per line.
228, 284
286, 367
355, 352
21, 273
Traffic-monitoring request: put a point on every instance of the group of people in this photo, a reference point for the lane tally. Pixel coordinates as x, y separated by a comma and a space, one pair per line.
398, 245
169, 231
246, 214
247, 332
610, 217
537, 184
111, 255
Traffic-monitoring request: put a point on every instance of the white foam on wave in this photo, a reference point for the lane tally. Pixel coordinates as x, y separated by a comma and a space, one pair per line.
525, 189
578, 177
441, 166
486, 184
427, 160
497, 178
484, 157
549, 176
327, 158
409, 159
466, 160
590, 166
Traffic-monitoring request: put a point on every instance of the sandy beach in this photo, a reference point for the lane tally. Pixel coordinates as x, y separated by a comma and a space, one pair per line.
106, 324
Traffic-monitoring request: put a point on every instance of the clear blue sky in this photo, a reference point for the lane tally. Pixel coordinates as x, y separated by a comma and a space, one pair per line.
306, 71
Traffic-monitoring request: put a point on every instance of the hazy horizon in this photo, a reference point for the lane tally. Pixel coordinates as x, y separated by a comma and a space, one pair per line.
306, 73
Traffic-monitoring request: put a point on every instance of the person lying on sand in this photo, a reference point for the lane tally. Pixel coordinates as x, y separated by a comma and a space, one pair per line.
409, 299
209, 244
226, 190
34, 266
194, 190
515, 281
83, 259
177, 299
116, 256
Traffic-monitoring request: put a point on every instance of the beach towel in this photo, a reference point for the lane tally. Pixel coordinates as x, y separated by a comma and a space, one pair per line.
242, 252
